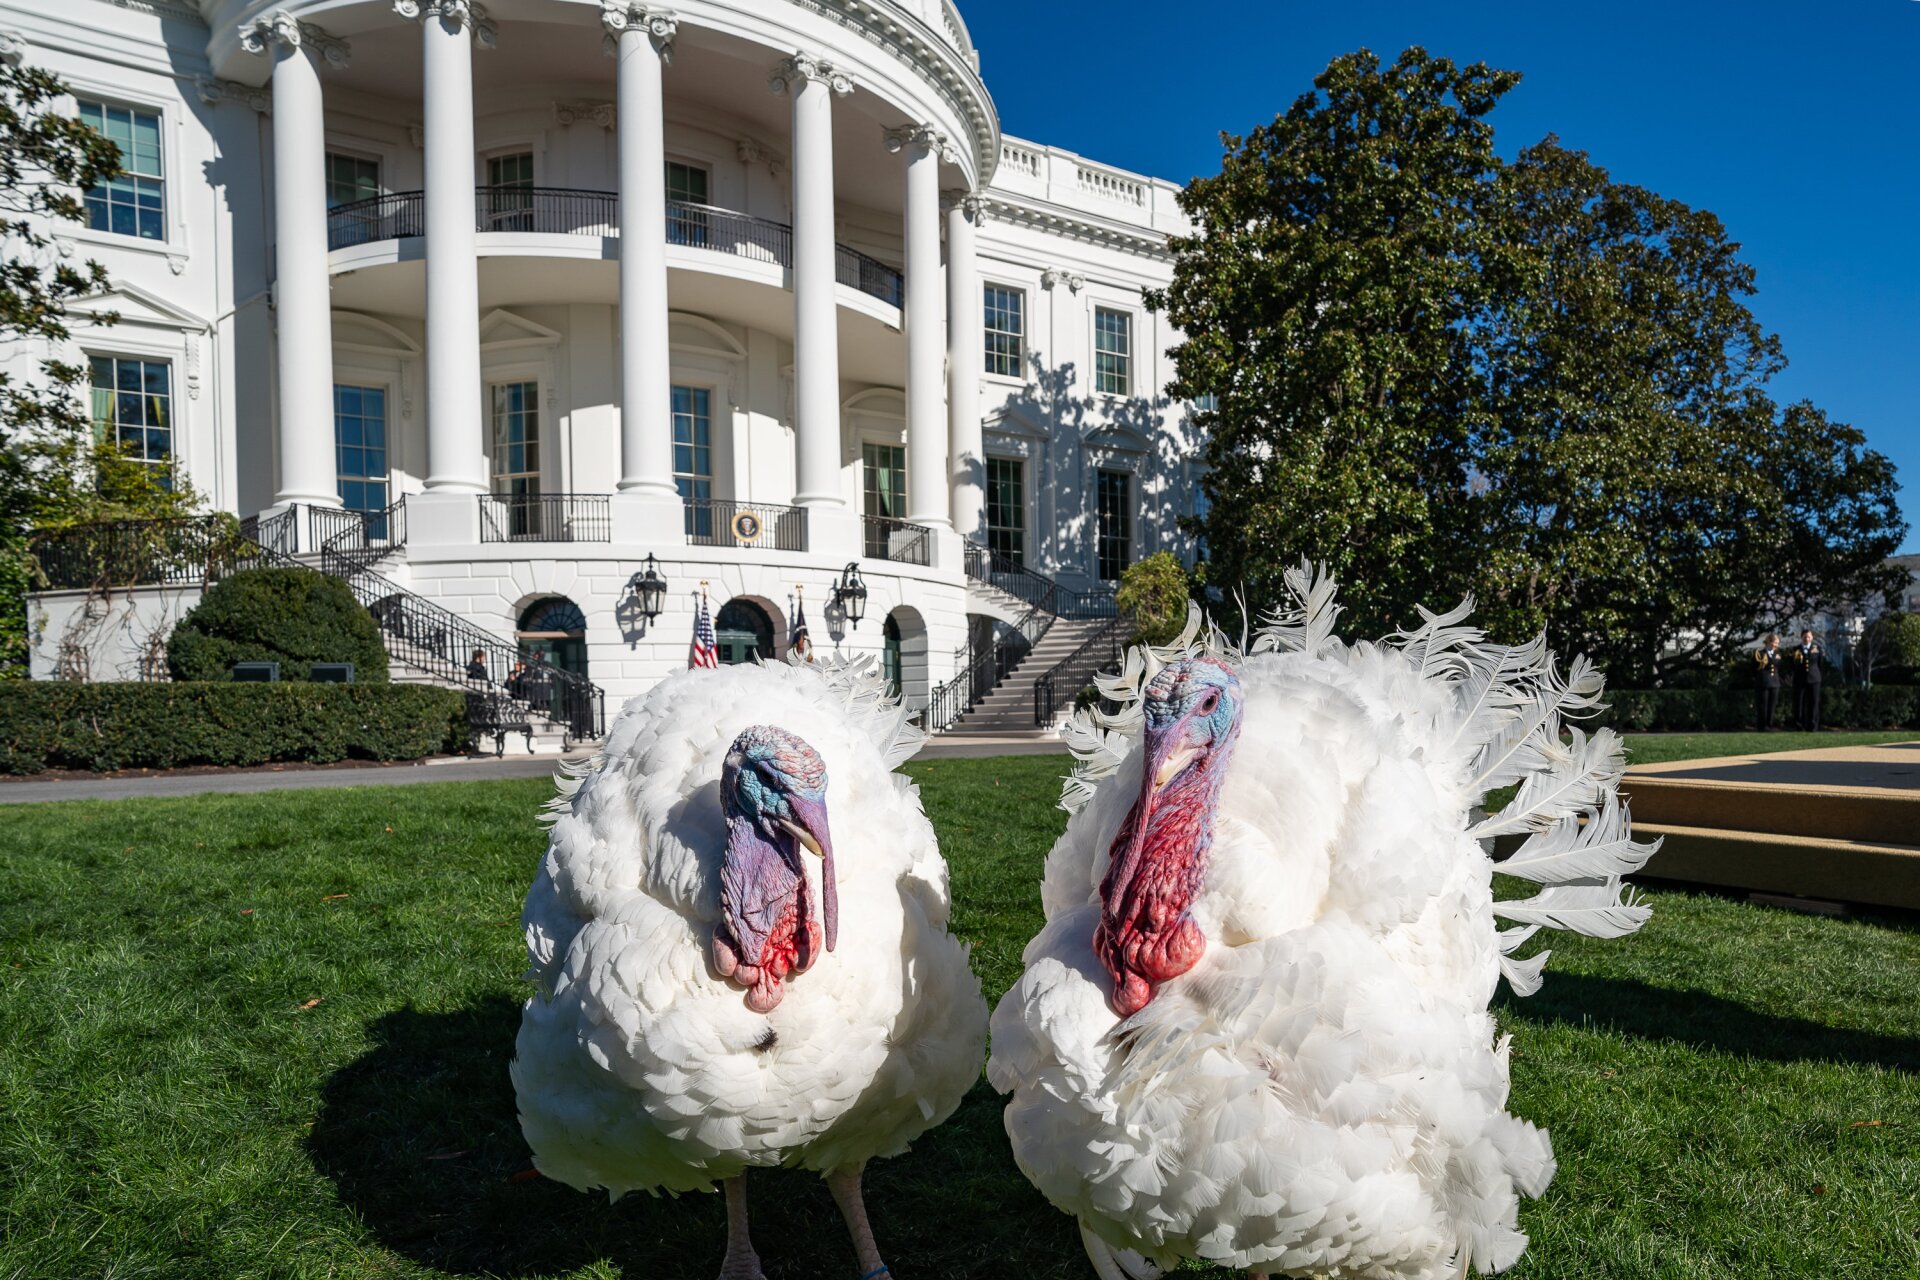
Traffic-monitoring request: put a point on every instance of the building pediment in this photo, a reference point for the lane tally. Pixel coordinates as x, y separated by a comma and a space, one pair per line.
697, 335
1120, 437
1007, 421
355, 332
135, 306
502, 330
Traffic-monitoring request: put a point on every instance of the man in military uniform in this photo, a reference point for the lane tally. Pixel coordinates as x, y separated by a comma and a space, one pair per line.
1769, 664
1807, 663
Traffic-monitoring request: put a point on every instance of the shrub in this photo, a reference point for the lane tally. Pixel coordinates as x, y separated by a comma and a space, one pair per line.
295, 617
1883, 706
54, 724
1153, 592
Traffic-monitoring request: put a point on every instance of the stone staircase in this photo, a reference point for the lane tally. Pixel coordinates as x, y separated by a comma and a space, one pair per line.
408, 663
1007, 712
1832, 825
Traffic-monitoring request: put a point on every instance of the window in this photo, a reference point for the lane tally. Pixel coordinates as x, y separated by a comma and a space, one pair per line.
510, 200
516, 454
884, 467
686, 186
1006, 330
1007, 508
1112, 352
133, 407
133, 203
360, 446
693, 456
351, 179
1115, 536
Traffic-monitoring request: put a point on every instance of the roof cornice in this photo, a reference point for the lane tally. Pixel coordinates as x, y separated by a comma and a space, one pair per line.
941, 65
1073, 225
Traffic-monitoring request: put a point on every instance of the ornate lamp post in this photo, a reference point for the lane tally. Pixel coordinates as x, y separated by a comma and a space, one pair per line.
647, 590
850, 594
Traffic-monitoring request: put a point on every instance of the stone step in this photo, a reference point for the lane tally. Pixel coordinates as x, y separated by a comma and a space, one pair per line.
1824, 868
1873, 814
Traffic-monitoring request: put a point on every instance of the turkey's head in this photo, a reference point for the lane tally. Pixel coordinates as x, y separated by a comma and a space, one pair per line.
1147, 935
773, 790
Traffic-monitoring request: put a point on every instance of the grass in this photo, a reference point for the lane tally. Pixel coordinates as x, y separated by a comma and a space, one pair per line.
173, 1102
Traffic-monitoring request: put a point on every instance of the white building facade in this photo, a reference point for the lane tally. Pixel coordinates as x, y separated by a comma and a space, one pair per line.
518, 296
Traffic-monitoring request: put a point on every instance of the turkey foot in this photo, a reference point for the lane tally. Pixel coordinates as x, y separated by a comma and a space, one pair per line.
845, 1185
741, 1263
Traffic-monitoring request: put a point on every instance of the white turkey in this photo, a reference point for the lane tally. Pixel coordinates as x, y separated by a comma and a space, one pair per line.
1255, 1027
739, 935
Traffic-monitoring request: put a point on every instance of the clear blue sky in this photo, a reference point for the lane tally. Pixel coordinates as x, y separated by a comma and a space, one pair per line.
1797, 123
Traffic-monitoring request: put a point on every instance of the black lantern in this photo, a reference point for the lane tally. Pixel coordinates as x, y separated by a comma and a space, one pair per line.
648, 588
851, 594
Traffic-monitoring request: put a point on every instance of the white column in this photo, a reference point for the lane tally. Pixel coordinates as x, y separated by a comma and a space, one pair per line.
643, 40
302, 288
927, 472
455, 418
813, 83
964, 329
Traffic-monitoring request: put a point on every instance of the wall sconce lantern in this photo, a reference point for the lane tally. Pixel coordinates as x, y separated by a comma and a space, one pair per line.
648, 588
851, 594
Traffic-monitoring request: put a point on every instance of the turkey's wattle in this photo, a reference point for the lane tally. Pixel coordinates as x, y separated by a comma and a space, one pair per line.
773, 792
1147, 935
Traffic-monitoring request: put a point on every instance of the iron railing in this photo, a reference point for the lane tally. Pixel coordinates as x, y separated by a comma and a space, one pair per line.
1103, 648
563, 211
358, 540
720, 522
138, 553
977, 669
1004, 573
897, 540
545, 517
869, 275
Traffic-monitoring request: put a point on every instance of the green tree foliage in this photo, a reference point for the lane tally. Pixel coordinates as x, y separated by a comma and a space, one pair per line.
295, 617
52, 470
1440, 372
1890, 648
1153, 593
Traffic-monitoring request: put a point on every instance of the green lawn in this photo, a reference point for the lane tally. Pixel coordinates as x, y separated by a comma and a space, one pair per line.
173, 1103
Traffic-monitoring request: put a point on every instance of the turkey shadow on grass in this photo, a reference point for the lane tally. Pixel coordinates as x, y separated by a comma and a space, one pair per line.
420, 1136
1701, 1020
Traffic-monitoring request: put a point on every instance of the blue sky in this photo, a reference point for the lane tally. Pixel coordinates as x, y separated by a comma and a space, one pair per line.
1796, 123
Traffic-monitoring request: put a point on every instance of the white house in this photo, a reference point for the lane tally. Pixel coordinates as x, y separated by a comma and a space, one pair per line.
534, 291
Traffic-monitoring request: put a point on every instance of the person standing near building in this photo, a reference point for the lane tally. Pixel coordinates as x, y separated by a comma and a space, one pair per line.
1807, 675
1769, 663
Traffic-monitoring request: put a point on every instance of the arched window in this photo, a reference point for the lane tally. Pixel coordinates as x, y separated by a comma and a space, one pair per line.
743, 632
554, 631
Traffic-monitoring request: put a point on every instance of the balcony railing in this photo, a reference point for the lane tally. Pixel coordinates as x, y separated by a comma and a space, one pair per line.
559, 211
890, 539
545, 517
717, 522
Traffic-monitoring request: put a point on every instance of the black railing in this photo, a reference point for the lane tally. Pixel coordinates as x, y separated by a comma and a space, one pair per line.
139, 553
719, 522
869, 275
1102, 649
356, 540
561, 211
1006, 574
545, 517
977, 669
897, 540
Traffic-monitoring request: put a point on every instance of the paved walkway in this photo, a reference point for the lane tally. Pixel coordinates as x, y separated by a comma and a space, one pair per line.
451, 769
1888, 765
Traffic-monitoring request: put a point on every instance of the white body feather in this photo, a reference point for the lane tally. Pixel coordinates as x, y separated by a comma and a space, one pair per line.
1323, 1093
638, 1067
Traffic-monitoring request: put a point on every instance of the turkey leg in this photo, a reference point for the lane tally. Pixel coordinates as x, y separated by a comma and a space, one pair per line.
741, 1263
845, 1185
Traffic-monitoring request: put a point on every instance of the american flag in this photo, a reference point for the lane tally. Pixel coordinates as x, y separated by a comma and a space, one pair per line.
706, 652
799, 643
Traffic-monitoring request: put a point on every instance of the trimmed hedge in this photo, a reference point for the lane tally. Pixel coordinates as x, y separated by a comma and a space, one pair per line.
1883, 706
295, 617
55, 724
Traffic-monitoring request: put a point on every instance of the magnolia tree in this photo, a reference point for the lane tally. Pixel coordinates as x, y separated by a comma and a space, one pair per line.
1443, 372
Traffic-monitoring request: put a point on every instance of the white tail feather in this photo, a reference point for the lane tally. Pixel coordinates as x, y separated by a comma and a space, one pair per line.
1572, 850
1568, 779
1594, 908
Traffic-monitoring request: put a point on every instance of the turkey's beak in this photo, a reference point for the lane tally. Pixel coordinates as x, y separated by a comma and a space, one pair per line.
812, 833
